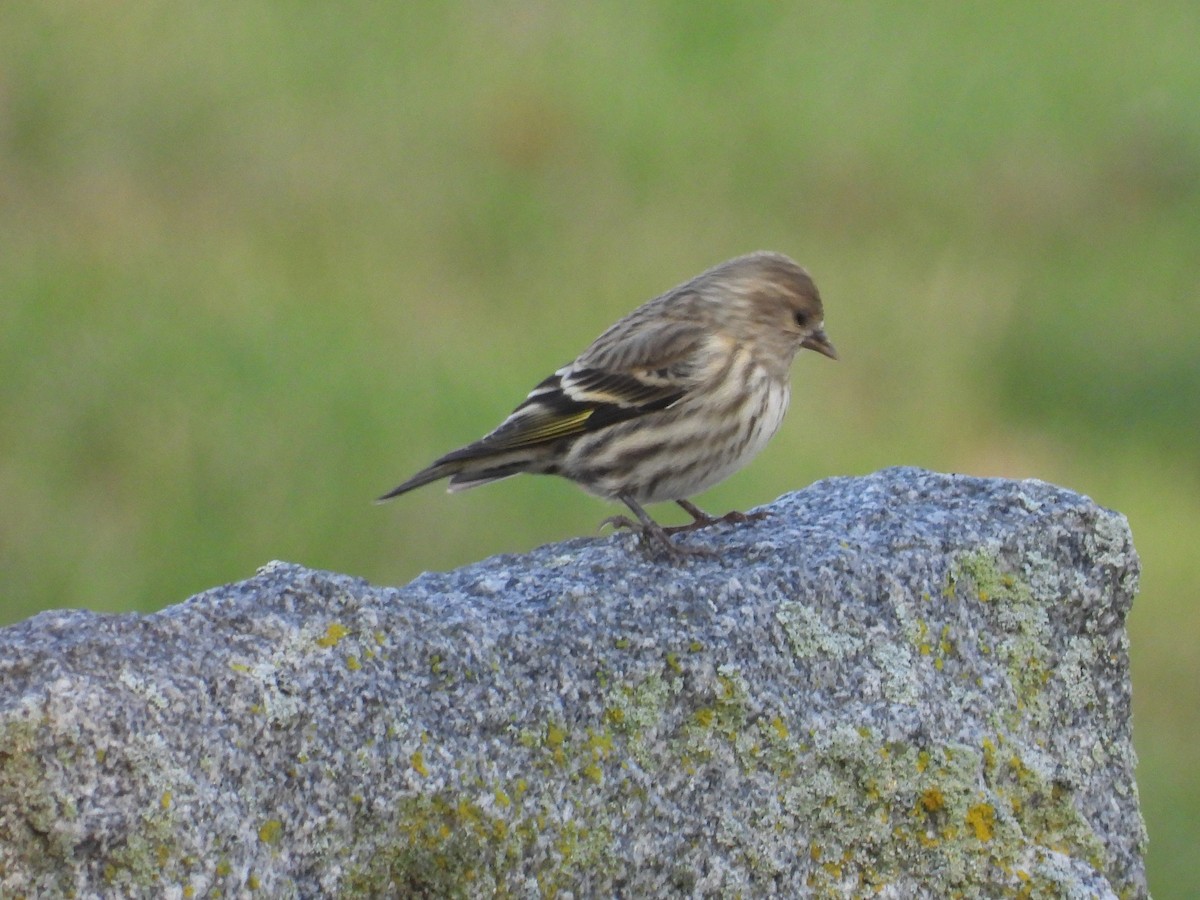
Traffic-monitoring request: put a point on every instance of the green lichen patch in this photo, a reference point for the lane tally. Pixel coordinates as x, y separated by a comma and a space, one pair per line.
1020, 638
809, 635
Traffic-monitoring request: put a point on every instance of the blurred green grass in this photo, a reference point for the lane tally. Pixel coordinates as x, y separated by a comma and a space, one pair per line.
258, 262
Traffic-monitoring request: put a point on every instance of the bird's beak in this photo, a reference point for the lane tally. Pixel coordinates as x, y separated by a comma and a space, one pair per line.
817, 341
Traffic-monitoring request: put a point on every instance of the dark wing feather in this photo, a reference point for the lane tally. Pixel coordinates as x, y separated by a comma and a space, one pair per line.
633, 369
571, 404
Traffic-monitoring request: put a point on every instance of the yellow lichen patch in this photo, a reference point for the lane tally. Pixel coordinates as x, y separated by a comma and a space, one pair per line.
695, 647
728, 687
600, 744
673, 662
945, 644
333, 633
593, 773
922, 635
989, 754
502, 799
239, 667
352, 663
933, 799
704, 716
468, 812
922, 760
165, 800
780, 728
555, 740
982, 819
270, 831
417, 760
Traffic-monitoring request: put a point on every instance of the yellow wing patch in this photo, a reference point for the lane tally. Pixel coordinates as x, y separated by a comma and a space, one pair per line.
544, 428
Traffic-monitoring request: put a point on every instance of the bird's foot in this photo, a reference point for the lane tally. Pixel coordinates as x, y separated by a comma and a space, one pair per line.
656, 538
701, 519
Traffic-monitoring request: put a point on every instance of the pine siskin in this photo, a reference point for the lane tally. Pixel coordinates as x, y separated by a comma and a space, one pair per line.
672, 399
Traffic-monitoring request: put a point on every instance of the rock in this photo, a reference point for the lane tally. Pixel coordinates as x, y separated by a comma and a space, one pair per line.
907, 684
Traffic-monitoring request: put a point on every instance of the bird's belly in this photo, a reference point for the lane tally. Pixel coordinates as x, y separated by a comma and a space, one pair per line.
680, 455
727, 457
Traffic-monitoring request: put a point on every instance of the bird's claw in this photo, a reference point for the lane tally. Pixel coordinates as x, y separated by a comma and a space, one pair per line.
706, 521
620, 522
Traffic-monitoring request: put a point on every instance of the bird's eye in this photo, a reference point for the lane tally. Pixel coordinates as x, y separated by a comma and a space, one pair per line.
802, 318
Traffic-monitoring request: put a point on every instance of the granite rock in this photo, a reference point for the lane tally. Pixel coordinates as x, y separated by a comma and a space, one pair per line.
906, 684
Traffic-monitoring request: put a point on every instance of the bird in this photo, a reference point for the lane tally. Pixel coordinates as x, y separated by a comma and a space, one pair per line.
672, 399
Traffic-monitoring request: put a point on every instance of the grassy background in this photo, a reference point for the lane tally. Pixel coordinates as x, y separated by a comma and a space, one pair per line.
260, 261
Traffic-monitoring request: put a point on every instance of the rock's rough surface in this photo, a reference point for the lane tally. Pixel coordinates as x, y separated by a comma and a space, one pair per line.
902, 685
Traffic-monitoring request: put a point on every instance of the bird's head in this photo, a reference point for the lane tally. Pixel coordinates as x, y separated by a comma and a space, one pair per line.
773, 302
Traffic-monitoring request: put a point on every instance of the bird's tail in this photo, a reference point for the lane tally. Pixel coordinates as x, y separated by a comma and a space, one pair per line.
425, 476
466, 468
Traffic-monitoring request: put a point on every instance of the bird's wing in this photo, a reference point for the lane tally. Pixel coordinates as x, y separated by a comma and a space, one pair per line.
588, 395
652, 341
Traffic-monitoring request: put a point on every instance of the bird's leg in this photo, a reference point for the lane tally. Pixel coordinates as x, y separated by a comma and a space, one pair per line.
652, 532
701, 519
